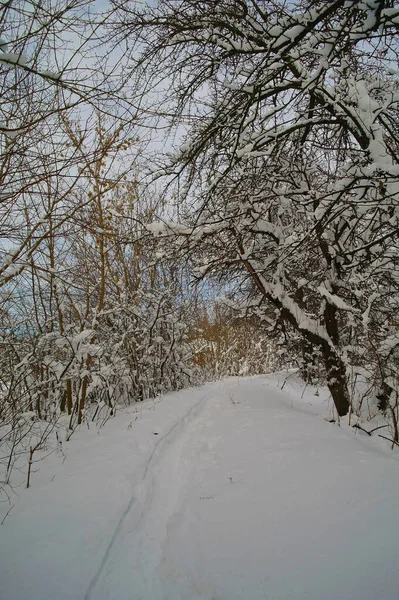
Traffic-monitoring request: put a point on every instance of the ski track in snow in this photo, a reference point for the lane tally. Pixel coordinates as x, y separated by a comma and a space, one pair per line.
247, 493
142, 492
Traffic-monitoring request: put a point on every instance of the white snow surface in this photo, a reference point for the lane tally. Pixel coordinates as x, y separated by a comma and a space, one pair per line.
235, 490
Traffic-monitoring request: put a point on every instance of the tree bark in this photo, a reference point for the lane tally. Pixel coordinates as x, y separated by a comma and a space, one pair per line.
336, 380
335, 367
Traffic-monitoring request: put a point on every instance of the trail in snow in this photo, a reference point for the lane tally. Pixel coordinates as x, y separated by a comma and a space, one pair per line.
159, 446
246, 493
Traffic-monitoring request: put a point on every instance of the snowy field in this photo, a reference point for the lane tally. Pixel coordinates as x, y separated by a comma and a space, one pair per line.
237, 490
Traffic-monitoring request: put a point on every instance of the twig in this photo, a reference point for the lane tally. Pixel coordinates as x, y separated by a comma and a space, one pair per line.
7, 513
357, 426
304, 390
393, 442
31, 452
380, 427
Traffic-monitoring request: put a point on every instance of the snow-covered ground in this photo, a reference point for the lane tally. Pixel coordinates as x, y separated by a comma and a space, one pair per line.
235, 490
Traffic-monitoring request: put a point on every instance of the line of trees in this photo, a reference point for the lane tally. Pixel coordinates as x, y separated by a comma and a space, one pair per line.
89, 317
282, 192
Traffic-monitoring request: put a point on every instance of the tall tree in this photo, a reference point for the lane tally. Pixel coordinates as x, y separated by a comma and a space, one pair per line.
290, 157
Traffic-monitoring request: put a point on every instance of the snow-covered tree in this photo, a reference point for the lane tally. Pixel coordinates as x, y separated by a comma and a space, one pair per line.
290, 160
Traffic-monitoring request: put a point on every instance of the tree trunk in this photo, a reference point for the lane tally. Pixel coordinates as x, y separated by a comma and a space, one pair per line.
82, 400
308, 366
336, 380
335, 367
69, 396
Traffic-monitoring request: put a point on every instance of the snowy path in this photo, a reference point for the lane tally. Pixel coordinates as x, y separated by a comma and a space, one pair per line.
236, 490
140, 535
